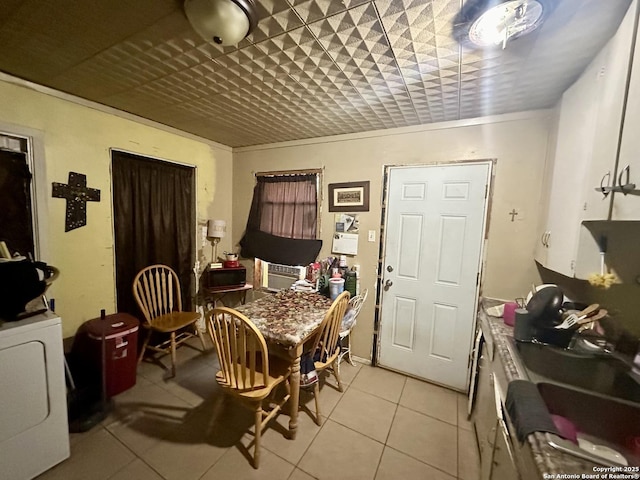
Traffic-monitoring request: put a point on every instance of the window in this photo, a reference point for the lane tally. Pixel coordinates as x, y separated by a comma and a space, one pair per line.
286, 205
283, 222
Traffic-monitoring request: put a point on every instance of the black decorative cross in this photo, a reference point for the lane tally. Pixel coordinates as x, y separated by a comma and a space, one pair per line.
77, 195
513, 214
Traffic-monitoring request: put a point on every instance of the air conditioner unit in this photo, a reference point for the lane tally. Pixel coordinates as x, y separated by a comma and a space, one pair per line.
278, 277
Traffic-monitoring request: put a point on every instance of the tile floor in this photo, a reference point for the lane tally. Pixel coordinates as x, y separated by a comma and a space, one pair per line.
384, 426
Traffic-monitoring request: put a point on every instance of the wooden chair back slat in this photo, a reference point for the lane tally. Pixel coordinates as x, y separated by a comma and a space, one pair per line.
157, 291
240, 347
327, 338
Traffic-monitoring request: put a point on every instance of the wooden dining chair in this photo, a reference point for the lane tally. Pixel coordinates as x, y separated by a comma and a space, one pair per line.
326, 346
247, 373
157, 291
353, 309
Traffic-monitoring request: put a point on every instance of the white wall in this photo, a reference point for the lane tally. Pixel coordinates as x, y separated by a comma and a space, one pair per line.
73, 137
518, 142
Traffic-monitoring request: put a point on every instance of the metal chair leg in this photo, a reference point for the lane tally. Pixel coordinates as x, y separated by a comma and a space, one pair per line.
350, 360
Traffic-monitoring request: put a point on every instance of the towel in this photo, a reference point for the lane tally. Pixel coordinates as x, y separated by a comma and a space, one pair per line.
527, 409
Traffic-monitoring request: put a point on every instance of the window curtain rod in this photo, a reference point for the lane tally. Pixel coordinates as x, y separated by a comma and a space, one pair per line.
289, 173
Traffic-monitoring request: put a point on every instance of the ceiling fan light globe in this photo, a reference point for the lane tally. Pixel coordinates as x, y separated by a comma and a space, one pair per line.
505, 21
221, 21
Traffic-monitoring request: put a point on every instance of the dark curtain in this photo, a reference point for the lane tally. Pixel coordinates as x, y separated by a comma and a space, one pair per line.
285, 206
282, 222
153, 203
286, 251
16, 227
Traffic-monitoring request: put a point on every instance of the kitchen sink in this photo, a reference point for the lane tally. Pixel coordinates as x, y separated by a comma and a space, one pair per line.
595, 392
605, 422
599, 373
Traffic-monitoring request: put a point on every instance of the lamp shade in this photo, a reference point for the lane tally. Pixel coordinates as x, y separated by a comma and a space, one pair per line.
226, 22
216, 228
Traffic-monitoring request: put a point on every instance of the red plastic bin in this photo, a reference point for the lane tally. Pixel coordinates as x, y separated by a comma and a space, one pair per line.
120, 332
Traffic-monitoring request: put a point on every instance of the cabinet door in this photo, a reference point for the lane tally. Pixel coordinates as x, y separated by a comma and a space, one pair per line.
610, 69
586, 145
541, 249
627, 207
573, 155
484, 415
504, 464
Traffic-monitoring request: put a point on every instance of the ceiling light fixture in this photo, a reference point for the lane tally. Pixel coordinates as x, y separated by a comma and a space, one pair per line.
225, 22
485, 23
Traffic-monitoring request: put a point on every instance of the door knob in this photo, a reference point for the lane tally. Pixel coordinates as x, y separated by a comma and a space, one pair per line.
387, 284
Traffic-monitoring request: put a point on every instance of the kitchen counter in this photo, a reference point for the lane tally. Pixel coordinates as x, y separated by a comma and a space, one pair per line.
547, 459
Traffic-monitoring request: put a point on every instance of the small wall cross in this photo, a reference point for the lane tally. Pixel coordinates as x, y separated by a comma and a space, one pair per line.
513, 214
77, 195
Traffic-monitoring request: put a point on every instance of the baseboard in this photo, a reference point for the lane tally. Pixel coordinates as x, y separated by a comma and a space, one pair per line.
364, 361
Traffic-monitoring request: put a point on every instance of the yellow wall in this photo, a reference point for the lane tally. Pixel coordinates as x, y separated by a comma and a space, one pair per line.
78, 138
517, 142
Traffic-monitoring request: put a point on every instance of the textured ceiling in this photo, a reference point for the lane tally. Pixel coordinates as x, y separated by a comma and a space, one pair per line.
311, 68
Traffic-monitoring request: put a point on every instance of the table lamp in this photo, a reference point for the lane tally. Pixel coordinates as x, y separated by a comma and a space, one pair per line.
216, 229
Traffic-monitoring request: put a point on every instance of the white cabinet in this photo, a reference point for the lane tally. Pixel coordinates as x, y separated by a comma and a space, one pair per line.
484, 416
504, 462
570, 168
497, 456
627, 207
572, 156
586, 143
612, 69
542, 246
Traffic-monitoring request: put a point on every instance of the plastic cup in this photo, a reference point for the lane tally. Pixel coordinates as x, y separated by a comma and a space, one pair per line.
336, 287
509, 314
523, 330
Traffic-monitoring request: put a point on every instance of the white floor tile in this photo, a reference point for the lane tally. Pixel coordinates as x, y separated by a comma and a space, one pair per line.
339, 453
383, 426
382, 383
426, 439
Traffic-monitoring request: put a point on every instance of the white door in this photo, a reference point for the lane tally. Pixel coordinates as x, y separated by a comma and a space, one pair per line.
433, 247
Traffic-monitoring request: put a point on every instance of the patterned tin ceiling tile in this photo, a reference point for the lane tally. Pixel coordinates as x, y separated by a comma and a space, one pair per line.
357, 42
275, 17
312, 10
310, 68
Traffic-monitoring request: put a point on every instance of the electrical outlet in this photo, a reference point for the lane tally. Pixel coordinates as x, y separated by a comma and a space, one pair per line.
372, 236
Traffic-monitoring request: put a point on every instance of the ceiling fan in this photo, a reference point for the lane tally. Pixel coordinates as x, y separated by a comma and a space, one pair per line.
225, 22
488, 23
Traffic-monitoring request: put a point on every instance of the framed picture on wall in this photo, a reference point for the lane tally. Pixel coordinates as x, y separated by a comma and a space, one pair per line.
349, 197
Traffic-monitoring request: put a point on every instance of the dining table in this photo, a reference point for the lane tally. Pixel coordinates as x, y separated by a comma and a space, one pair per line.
287, 319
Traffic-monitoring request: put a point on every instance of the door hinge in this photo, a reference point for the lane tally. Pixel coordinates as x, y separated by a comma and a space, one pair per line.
486, 190
478, 279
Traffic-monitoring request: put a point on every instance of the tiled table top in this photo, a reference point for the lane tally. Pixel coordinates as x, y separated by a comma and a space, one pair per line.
287, 317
